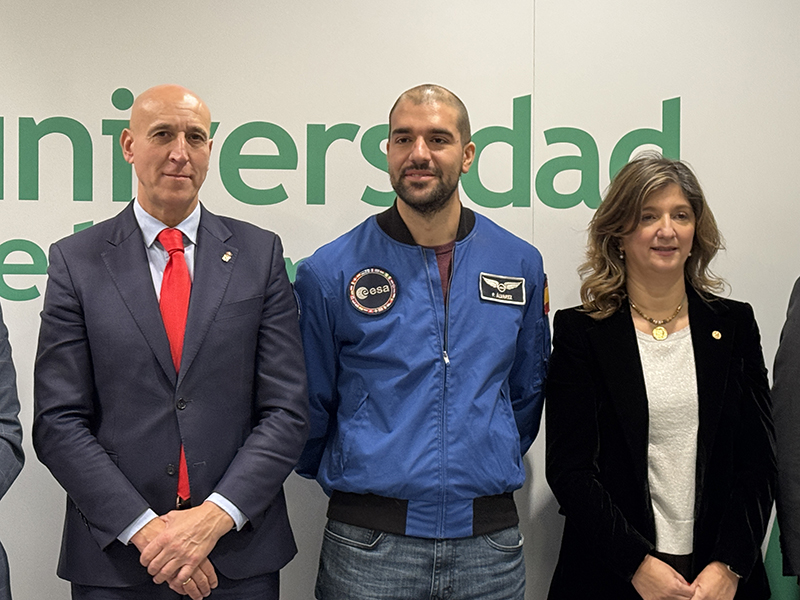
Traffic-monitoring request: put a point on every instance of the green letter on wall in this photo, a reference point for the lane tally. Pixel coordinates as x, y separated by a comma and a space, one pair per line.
29, 135
232, 161
38, 266
587, 162
519, 138
668, 139
371, 150
319, 139
121, 172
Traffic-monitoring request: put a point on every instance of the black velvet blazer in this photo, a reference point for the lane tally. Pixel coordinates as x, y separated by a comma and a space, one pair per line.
597, 437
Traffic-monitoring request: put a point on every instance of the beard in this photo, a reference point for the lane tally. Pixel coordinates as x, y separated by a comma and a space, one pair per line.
429, 203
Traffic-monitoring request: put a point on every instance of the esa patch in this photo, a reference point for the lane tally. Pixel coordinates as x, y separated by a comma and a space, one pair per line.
499, 288
372, 291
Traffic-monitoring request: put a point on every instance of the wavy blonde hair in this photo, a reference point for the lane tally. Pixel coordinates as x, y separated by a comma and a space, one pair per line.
603, 275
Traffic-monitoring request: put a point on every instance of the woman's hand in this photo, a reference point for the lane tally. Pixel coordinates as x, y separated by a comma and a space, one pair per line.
715, 582
656, 580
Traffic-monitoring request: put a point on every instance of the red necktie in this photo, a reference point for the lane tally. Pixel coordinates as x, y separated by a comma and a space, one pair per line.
176, 286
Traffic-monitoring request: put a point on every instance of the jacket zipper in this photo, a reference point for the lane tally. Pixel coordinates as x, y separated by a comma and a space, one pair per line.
443, 506
442, 450
447, 305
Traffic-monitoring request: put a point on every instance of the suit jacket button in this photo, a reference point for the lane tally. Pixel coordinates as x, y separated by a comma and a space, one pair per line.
181, 404
171, 470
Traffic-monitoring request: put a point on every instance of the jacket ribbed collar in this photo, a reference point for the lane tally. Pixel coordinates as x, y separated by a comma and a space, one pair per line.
393, 225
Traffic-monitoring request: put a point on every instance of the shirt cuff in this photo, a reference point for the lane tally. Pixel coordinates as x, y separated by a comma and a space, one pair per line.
238, 516
132, 529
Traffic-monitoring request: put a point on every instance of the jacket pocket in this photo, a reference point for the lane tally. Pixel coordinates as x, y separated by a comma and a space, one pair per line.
240, 307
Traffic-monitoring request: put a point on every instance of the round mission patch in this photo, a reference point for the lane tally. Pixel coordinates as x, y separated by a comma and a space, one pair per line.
372, 291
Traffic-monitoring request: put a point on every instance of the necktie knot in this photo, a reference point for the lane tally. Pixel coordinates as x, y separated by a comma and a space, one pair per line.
176, 287
171, 239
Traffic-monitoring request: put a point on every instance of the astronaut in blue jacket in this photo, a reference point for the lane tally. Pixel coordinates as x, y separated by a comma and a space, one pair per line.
427, 339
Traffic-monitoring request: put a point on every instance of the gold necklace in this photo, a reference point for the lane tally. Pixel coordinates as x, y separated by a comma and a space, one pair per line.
659, 332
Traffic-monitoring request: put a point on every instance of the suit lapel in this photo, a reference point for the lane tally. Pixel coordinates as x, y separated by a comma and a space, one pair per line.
211, 277
712, 340
614, 343
126, 261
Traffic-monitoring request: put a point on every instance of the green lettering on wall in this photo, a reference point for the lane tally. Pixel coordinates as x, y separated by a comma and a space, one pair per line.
121, 170
519, 138
232, 161
37, 266
319, 140
371, 150
122, 98
29, 135
81, 226
587, 163
668, 139
291, 268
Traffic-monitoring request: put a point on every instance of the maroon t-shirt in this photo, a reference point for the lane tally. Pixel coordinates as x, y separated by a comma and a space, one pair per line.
444, 258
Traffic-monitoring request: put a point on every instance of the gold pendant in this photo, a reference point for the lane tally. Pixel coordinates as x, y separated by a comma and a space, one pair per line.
660, 333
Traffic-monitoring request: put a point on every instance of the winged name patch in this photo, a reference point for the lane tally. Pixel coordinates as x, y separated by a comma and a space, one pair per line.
503, 289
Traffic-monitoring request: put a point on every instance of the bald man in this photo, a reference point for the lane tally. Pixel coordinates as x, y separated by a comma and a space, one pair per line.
171, 429
427, 342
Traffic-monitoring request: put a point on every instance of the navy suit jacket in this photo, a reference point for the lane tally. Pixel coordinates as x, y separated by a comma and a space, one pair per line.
111, 413
11, 457
786, 398
597, 436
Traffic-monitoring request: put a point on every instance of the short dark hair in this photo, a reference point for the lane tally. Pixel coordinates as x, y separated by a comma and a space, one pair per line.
430, 92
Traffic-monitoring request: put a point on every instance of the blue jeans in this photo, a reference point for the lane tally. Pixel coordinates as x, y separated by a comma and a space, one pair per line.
365, 564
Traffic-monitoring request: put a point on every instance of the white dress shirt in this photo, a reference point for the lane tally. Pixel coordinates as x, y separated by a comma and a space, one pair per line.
157, 258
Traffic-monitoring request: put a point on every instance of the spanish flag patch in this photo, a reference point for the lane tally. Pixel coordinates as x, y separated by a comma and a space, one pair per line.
546, 297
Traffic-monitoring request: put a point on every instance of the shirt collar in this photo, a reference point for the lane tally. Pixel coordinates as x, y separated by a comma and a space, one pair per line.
151, 226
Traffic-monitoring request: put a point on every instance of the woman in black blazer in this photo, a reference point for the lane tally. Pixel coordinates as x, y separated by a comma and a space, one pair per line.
660, 444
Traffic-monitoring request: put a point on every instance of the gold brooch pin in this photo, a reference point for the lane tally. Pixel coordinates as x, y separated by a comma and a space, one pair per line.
227, 257
716, 334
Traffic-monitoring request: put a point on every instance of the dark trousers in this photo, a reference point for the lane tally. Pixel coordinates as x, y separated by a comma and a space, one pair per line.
263, 587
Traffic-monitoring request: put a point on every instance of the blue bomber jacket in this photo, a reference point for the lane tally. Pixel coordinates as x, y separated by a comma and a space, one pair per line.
431, 405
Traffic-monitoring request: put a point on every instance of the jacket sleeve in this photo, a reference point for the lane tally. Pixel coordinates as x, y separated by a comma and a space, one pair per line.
528, 373
321, 353
786, 406
752, 489
65, 413
573, 446
280, 402
11, 457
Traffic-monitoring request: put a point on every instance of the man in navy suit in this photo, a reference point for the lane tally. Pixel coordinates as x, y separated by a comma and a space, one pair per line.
123, 413
11, 456
786, 412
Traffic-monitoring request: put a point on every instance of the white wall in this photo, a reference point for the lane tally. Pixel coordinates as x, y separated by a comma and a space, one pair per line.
604, 68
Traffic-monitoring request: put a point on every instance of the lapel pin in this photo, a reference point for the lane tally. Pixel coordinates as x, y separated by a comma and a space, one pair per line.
716, 334
227, 257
